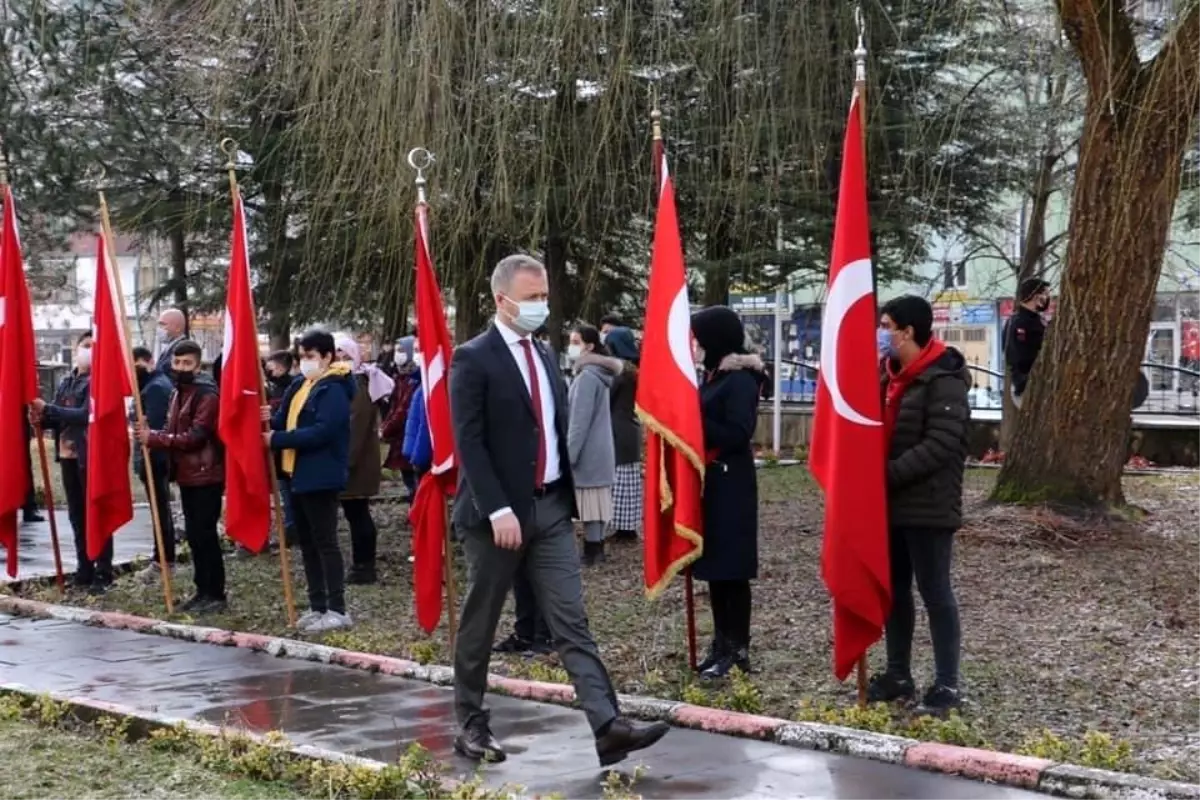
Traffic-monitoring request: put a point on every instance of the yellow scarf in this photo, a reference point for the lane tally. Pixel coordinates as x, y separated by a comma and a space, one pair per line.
297, 405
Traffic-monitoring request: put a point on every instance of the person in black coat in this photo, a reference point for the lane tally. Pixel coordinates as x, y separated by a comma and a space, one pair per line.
729, 409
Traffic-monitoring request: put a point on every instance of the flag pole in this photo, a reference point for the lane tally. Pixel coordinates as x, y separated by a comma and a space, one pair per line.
689, 595
47, 492
114, 280
860, 88
420, 160
229, 148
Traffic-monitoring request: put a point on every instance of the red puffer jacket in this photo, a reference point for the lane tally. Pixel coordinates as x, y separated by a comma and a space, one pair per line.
190, 437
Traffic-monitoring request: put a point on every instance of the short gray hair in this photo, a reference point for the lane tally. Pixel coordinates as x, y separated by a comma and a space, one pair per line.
509, 266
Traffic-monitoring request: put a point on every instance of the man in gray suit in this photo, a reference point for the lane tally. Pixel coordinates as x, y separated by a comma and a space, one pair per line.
515, 502
172, 328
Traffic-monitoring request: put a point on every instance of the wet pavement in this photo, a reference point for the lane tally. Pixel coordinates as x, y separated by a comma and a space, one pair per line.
35, 555
378, 716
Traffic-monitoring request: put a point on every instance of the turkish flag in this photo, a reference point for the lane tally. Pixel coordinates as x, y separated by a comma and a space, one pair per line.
239, 424
18, 379
849, 448
668, 403
109, 494
428, 514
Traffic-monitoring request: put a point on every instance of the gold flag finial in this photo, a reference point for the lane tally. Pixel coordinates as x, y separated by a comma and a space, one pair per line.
656, 122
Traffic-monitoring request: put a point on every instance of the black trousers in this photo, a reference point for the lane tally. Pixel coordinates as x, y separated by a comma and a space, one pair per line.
315, 514
926, 555
363, 534
530, 624
30, 506
731, 611
75, 486
162, 499
201, 513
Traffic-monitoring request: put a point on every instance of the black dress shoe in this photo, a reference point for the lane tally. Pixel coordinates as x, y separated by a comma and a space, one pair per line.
192, 604
623, 738
361, 575
716, 651
476, 742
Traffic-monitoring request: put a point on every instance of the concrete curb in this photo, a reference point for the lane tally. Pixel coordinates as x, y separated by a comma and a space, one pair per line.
985, 765
143, 723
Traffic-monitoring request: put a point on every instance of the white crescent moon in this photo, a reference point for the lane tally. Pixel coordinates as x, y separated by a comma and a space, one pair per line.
679, 335
852, 283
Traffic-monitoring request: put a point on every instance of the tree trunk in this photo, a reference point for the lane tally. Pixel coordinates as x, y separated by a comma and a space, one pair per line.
556, 273
179, 269
718, 247
1072, 437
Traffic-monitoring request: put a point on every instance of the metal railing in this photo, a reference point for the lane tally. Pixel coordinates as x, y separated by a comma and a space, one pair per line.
1163, 389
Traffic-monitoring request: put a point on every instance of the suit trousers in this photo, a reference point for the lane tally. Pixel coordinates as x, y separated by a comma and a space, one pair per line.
551, 565
74, 479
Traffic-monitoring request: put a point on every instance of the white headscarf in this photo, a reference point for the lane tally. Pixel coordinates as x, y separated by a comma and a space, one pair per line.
379, 385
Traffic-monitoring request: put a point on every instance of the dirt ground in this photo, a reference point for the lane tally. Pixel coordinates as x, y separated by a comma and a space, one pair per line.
1065, 629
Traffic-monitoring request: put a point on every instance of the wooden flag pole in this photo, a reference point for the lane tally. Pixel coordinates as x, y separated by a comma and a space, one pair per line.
114, 281
420, 160
229, 148
860, 88
47, 493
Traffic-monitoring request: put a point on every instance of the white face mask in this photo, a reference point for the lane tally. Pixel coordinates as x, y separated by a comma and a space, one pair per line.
400, 359
310, 367
574, 351
83, 357
531, 314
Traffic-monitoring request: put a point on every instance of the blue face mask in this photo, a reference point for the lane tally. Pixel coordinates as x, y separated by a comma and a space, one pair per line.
883, 340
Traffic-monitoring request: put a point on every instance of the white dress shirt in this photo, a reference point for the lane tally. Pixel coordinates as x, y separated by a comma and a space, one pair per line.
553, 467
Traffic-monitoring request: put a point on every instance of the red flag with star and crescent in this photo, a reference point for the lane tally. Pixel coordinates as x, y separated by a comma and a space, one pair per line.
18, 379
668, 403
848, 456
239, 420
428, 514
109, 491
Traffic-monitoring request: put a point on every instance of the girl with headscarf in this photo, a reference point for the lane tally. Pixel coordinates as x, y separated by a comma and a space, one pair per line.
729, 410
365, 467
627, 437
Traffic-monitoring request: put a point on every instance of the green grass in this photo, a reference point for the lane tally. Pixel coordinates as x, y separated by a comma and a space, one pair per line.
40, 762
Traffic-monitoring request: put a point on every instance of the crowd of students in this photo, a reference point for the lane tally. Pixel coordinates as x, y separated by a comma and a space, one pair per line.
328, 412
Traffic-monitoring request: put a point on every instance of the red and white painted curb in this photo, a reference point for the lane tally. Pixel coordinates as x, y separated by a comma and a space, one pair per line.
1009, 769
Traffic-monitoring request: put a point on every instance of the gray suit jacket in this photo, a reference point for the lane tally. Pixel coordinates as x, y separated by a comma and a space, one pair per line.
495, 430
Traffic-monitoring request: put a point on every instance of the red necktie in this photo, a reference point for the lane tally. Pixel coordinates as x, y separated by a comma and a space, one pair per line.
535, 393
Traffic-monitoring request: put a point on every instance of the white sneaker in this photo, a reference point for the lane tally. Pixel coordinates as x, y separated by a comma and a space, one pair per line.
152, 573
330, 621
307, 619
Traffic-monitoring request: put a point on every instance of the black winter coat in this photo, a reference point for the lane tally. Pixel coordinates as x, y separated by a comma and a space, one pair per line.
627, 430
729, 407
928, 449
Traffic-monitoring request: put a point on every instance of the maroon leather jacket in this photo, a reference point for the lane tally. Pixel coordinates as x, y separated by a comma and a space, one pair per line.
190, 437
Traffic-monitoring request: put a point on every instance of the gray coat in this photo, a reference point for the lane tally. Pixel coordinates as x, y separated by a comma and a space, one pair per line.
589, 429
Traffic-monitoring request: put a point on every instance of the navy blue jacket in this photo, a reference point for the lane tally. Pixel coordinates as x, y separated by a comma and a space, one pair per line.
322, 435
156, 399
67, 416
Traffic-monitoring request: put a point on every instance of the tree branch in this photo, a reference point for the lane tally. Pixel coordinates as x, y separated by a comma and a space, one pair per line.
1173, 77
1103, 38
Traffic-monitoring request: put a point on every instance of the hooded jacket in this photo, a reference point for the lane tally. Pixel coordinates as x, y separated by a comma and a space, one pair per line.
190, 435
321, 438
589, 428
927, 451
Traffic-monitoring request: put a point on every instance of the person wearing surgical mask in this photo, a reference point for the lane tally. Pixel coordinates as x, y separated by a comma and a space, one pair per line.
590, 438
408, 384
311, 431
513, 510
67, 417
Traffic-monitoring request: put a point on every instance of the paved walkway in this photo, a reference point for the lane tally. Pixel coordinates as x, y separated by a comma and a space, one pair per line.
35, 555
378, 716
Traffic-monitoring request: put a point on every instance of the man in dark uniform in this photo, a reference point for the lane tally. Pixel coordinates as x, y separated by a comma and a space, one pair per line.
1024, 332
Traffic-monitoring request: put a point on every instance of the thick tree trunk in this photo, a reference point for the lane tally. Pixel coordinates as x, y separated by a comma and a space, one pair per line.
556, 273
1072, 435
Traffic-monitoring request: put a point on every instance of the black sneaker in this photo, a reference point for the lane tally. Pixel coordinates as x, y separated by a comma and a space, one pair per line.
361, 575
30, 517
734, 659
192, 604
888, 688
593, 554
939, 701
211, 606
716, 651
514, 644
